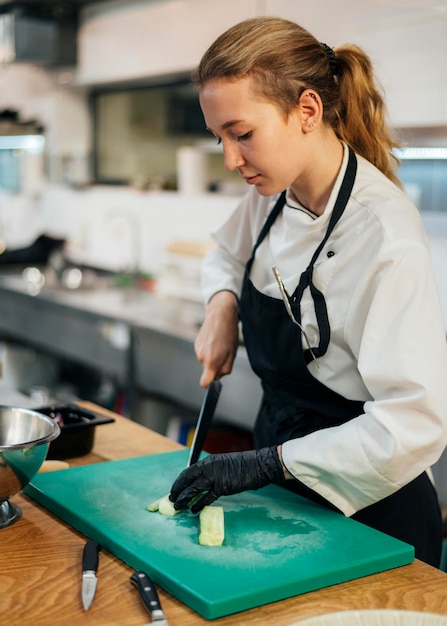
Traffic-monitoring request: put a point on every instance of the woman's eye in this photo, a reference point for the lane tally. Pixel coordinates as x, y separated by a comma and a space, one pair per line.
218, 139
245, 136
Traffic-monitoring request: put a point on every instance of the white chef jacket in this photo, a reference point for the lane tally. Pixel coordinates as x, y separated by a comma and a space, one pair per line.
388, 345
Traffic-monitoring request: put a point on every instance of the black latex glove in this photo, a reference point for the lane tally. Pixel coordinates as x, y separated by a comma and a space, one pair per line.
224, 474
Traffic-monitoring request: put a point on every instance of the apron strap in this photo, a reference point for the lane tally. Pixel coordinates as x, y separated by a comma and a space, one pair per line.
306, 277
340, 203
267, 225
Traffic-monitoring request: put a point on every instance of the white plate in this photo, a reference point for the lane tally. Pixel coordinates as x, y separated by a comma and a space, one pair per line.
375, 618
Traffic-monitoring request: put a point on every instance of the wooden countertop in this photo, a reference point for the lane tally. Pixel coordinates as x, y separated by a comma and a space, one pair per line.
40, 567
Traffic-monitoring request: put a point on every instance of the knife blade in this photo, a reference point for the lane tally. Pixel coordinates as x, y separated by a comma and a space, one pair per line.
149, 595
90, 560
203, 421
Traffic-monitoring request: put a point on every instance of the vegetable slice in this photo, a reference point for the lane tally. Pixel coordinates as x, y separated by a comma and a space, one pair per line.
212, 527
153, 506
164, 506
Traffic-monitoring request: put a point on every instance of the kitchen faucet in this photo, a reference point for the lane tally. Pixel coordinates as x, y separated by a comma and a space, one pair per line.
117, 218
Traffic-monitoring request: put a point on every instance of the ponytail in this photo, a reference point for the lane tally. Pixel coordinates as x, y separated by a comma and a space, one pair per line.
360, 117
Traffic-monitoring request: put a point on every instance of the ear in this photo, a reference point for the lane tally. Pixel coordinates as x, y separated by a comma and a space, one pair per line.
311, 110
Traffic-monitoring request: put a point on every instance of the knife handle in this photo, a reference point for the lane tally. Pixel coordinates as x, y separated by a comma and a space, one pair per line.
90, 556
148, 593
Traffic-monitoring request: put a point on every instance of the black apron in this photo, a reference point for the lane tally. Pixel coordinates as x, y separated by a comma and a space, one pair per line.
295, 403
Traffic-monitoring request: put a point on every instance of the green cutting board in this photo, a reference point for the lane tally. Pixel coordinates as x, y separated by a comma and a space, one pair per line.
277, 544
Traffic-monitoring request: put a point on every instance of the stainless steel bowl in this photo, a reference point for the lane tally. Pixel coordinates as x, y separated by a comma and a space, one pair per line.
24, 439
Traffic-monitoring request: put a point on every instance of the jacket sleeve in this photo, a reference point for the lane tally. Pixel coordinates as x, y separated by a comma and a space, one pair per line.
395, 329
223, 268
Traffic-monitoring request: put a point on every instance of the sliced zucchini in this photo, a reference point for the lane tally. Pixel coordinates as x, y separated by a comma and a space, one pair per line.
153, 506
212, 526
164, 506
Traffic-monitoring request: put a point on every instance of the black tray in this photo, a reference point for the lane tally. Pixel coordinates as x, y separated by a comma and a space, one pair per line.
77, 430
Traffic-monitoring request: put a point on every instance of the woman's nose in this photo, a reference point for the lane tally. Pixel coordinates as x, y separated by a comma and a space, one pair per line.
232, 159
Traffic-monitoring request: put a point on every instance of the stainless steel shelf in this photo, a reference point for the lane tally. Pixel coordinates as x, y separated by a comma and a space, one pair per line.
144, 340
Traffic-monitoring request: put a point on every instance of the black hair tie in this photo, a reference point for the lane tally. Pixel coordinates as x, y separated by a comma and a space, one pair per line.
333, 63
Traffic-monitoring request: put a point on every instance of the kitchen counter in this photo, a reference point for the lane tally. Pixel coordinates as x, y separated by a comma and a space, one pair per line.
40, 567
143, 340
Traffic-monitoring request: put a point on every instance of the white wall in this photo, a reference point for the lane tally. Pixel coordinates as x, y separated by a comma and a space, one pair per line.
407, 42
26, 88
114, 227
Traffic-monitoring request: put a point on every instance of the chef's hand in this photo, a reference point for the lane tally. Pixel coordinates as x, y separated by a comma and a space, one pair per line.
224, 474
217, 341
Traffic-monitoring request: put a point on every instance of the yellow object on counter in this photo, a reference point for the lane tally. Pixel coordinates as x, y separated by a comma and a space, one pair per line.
52, 466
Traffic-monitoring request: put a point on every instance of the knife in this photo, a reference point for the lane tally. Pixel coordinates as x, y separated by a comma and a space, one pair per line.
149, 595
203, 421
89, 569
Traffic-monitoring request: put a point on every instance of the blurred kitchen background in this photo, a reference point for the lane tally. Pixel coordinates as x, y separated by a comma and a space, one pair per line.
102, 139
103, 147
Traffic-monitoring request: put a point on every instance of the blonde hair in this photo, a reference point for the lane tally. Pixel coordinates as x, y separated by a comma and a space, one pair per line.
284, 59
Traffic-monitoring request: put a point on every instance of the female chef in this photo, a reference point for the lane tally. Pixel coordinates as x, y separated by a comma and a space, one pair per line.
326, 265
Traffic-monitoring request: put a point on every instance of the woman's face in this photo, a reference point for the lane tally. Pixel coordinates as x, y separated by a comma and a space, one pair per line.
266, 148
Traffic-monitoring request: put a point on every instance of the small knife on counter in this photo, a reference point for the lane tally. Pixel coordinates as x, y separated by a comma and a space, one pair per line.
149, 595
89, 568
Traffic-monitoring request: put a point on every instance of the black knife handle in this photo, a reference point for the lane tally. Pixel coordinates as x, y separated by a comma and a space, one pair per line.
90, 556
147, 590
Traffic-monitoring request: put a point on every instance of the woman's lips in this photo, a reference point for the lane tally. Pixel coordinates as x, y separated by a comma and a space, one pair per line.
251, 180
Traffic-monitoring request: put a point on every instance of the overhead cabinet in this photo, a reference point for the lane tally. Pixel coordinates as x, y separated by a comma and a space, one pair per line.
137, 41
